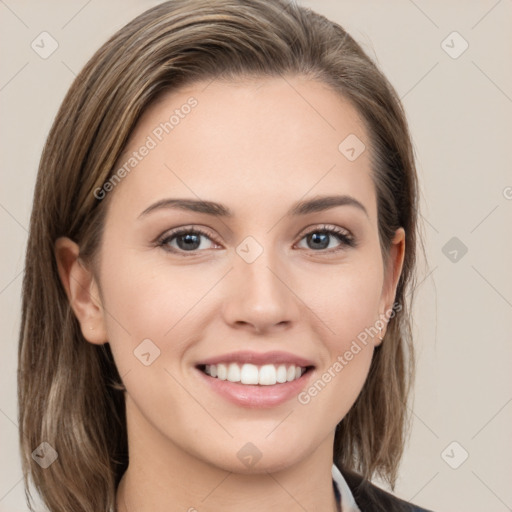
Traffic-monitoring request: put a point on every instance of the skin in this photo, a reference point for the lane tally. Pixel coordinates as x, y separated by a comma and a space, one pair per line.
258, 147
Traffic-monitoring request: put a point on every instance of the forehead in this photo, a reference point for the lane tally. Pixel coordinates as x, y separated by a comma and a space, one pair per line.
248, 143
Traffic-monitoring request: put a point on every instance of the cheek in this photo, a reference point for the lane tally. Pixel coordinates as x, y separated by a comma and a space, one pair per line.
350, 312
137, 308
153, 308
149, 300
149, 311
346, 305
347, 302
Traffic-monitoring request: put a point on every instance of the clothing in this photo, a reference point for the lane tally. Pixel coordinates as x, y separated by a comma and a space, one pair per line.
356, 494
343, 492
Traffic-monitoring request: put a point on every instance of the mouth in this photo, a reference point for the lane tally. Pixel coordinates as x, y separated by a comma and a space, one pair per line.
254, 379
255, 375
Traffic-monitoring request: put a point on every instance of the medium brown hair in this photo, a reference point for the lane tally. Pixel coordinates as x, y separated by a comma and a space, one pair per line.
70, 393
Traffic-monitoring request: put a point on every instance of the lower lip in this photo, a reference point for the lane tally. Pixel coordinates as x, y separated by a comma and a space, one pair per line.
254, 396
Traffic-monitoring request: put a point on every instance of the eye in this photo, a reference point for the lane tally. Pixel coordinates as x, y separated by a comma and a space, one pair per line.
187, 240
319, 238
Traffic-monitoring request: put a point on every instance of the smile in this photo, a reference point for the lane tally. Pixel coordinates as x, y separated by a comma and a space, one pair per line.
256, 379
251, 374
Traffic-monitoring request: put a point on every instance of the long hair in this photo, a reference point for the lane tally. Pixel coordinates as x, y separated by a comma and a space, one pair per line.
69, 391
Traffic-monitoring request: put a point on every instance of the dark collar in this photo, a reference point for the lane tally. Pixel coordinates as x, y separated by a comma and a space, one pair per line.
370, 498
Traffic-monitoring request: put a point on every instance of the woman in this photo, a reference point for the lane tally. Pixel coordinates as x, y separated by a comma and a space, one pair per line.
221, 246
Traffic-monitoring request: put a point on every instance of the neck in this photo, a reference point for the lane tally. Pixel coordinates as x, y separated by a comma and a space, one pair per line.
163, 477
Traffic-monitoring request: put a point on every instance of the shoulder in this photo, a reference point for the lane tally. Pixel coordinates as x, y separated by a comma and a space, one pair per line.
370, 498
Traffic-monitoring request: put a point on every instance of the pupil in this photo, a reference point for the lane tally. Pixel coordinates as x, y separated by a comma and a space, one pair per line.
191, 241
320, 237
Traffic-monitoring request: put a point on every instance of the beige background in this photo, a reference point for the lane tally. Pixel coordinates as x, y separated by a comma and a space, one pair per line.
460, 112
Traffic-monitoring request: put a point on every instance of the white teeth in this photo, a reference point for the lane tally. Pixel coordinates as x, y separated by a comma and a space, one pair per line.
266, 375
248, 374
222, 371
281, 373
233, 373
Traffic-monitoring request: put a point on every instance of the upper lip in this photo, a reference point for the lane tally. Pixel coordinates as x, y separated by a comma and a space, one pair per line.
258, 359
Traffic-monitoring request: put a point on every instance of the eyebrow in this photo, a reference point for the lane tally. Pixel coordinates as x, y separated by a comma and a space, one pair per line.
316, 204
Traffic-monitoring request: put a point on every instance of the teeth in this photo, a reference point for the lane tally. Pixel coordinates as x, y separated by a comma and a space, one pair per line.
249, 374
266, 375
233, 373
281, 373
222, 371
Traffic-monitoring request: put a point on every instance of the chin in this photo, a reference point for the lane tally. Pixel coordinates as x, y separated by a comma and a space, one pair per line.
249, 458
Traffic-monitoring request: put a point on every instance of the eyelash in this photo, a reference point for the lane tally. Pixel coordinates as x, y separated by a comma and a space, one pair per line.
345, 239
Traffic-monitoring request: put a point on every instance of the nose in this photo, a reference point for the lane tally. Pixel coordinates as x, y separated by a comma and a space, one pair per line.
261, 295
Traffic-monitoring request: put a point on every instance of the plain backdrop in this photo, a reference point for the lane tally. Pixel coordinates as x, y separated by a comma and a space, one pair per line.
450, 62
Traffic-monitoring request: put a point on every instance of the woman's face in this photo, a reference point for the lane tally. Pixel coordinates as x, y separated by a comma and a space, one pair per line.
262, 294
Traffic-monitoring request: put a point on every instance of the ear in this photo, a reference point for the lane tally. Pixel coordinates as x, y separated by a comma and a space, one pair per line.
392, 276
82, 291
